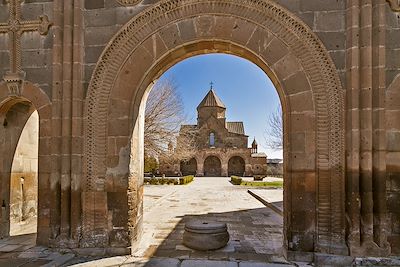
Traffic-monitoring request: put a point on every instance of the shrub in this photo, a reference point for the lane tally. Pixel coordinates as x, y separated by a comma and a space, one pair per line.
186, 179
161, 181
236, 180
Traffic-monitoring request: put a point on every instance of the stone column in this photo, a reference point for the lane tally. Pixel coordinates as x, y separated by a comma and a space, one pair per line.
353, 122
379, 122
366, 167
67, 124
200, 168
366, 121
224, 168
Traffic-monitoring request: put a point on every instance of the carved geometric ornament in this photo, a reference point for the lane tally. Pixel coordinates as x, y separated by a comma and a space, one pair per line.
394, 5
129, 2
15, 27
15, 82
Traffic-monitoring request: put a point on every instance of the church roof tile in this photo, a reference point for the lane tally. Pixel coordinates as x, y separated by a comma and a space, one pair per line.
211, 100
235, 127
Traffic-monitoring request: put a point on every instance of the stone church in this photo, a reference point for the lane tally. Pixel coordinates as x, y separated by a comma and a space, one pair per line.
86, 67
220, 147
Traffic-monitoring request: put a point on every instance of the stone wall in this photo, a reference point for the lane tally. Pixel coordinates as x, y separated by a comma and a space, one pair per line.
392, 45
326, 18
36, 50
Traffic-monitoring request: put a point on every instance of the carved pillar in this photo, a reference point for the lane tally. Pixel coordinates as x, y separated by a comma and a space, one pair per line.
224, 167
353, 123
379, 124
67, 123
366, 166
200, 167
366, 121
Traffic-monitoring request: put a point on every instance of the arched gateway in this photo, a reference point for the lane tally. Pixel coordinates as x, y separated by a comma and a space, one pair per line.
236, 166
212, 166
260, 31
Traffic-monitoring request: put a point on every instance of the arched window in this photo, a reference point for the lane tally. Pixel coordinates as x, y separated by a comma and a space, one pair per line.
212, 139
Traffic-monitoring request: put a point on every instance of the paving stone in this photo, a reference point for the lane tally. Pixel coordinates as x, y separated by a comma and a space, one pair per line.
60, 260
12, 262
156, 262
10, 248
262, 264
208, 263
168, 208
36, 263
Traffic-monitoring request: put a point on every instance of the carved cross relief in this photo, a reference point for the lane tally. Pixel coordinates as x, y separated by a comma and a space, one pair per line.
394, 5
15, 27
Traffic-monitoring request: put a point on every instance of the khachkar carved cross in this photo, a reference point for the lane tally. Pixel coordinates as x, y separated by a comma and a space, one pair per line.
15, 27
394, 5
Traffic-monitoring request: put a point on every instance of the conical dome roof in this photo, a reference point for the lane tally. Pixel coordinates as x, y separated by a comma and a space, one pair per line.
211, 100
254, 144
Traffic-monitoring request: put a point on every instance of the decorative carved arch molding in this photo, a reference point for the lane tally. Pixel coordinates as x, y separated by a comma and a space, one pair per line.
129, 47
394, 5
129, 2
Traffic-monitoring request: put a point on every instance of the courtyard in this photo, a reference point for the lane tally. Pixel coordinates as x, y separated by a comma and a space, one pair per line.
255, 230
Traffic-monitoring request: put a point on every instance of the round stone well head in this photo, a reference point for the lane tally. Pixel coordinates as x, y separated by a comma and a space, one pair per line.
205, 235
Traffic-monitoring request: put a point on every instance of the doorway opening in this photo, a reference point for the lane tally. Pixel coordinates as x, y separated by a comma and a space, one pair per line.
19, 146
208, 146
24, 180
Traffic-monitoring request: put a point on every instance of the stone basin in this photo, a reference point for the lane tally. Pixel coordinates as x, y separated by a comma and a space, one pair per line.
205, 235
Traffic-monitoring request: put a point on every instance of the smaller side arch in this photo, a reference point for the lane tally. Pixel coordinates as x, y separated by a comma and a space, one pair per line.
189, 167
236, 166
212, 166
31, 98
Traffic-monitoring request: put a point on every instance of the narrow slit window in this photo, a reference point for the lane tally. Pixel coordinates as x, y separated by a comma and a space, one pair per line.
212, 139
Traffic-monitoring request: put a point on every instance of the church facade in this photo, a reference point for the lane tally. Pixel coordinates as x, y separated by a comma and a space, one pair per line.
220, 148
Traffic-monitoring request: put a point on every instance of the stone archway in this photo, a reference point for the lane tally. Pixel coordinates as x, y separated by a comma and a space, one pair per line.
260, 31
212, 167
189, 167
14, 114
236, 166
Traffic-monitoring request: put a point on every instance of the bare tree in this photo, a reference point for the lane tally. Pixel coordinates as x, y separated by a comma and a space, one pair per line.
274, 133
163, 116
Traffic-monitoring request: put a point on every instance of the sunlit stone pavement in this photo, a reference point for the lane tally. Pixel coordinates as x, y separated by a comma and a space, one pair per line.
255, 230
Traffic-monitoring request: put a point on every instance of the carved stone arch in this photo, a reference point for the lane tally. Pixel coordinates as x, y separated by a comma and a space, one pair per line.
236, 166
261, 31
31, 98
213, 166
189, 167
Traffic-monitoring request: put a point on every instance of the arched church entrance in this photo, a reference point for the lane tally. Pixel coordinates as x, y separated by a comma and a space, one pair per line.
24, 179
189, 167
236, 166
212, 166
24, 199
260, 31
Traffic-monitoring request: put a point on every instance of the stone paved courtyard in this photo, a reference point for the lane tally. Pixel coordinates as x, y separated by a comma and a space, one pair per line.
255, 230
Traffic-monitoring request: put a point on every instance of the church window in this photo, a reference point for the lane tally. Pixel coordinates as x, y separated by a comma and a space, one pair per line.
212, 139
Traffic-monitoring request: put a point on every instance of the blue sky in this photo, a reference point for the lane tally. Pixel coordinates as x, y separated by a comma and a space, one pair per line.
245, 89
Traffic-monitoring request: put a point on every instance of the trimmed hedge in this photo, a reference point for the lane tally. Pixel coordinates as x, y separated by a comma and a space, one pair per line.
170, 181
236, 180
186, 179
161, 181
